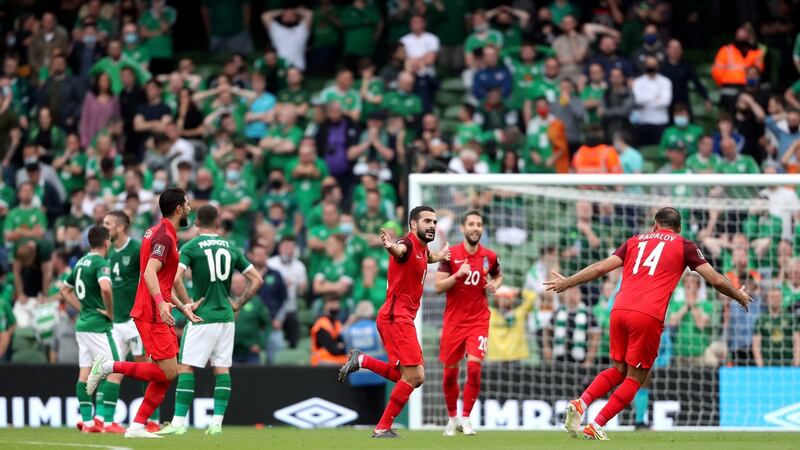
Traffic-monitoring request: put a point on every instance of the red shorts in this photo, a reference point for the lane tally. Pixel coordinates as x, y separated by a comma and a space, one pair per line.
401, 343
634, 338
459, 341
159, 339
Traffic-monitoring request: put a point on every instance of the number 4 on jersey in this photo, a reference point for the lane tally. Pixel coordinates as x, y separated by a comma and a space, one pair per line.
652, 259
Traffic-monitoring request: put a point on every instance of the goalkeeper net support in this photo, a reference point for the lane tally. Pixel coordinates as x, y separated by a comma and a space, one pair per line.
718, 367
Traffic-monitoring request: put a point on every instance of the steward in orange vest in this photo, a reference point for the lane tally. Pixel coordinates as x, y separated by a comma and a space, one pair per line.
327, 344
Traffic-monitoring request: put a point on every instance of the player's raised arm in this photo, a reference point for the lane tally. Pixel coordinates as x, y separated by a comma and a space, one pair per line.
393, 248
723, 285
561, 283
441, 255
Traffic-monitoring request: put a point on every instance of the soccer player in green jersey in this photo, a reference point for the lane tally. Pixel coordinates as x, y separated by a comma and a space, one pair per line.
88, 289
211, 259
123, 260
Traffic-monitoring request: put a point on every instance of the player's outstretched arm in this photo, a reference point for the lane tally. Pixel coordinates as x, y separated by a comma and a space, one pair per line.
393, 248
723, 285
561, 283
254, 283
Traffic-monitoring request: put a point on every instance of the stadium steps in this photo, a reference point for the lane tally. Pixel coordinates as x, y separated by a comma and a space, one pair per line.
446, 99
453, 85
451, 112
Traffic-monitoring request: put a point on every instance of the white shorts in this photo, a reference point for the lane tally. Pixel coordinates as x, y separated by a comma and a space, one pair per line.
127, 339
92, 345
209, 342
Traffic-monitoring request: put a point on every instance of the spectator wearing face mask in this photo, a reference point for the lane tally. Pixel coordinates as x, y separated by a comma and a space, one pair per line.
682, 131
545, 149
731, 63
327, 341
651, 46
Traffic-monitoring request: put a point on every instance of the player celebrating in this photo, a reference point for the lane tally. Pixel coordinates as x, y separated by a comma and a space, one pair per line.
152, 313
653, 263
210, 259
465, 329
88, 289
408, 265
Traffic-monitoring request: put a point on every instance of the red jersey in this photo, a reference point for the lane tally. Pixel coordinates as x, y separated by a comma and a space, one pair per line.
406, 279
466, 300
161, 243
653, 263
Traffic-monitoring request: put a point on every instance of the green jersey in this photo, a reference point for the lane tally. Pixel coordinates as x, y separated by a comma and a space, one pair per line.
471, 132
697, 163
475, 40
546, 88
124, 264
137, 53
359, 29
349, 100
593, 92
341, 269
159, 46
85, 280
227, 195
524, 78
211, 259
282, 133
306, 189
689, 340
776, 338
402, 103
251, 320
294, 97
24, 218
689, 135
537, 141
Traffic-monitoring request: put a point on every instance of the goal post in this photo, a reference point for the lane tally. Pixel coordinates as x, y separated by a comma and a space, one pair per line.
706, 375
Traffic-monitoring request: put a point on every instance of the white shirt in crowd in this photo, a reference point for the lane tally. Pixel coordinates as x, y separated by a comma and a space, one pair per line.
783, 202
652, 97
294, 274
290, 42
420, 45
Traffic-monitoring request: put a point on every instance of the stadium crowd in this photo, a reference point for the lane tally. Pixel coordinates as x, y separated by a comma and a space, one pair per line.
302, 123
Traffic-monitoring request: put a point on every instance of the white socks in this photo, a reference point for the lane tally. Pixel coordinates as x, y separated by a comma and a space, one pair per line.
178, 421
136, 426
216, 420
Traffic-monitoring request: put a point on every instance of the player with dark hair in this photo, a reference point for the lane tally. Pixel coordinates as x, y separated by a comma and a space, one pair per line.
88, 289
653, 263
408, 265
472, 271
211, 260
152, 313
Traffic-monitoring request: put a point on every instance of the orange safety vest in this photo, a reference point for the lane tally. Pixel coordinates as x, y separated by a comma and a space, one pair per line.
730, 66
599, 159
320, 355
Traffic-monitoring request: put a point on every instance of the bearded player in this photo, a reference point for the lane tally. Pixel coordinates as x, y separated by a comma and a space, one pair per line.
653, 263
474, 271
152, 313
408, 265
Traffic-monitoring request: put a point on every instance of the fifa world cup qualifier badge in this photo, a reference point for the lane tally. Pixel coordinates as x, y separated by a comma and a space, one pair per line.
485, 264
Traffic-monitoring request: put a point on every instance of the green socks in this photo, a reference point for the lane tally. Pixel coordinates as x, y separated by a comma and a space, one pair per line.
110, 394
184, 394
84, 401
222, 393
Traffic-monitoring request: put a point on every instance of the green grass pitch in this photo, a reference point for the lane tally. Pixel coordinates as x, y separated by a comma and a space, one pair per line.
281, 438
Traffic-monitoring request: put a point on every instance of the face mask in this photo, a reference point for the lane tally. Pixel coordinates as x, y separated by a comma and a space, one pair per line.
71, 244
6, 91
275, 222
131, 38
481, 28
89, 39
752, 82
232, 175
92, 193
32, 160
346, 228
650, 39
793, 129
276, 184
286, 259
681, 121
333, 312
11, 41
542, 112
651, 70
159, 185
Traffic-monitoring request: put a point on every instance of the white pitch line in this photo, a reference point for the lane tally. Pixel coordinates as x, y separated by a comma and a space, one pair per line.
68, 444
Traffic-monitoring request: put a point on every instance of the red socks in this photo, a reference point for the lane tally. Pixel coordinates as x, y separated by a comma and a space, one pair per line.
141, 371
602, 384
451, 390
618, 401
391, 373
472, 387
153, 397
397, 401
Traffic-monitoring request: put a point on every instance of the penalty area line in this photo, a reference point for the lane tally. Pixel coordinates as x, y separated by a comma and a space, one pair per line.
68, 444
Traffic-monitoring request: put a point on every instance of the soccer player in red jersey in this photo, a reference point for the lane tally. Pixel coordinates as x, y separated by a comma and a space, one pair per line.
152, 313
474, 271
408, 265
653, 263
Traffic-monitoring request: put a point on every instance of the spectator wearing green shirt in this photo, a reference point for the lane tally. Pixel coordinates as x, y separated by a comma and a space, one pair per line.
234, 198
305, 174
342, 93
155, 27
362, 25
403, 101
335, 276
371, 87
509, 22
274, 68
295, 93
280, 145
482, 35
318, 234
683, 131
790, 288
526, 69
325, 37
227, 23
132, 48
26, 221
593, 93
370, 285
112, 66
705, 160
732, 162
776, 338
690, 321
373, 152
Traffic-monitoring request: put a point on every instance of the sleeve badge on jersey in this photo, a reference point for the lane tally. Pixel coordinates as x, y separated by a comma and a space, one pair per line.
700, 255
158, 250
105, 271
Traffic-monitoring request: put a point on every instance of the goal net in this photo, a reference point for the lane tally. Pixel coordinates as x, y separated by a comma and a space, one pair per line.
718, 365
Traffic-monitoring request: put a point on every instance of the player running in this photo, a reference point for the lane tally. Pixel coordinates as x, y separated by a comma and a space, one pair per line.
210, 259
474, 271
152, 313
653, 263
88, 289
408, 266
